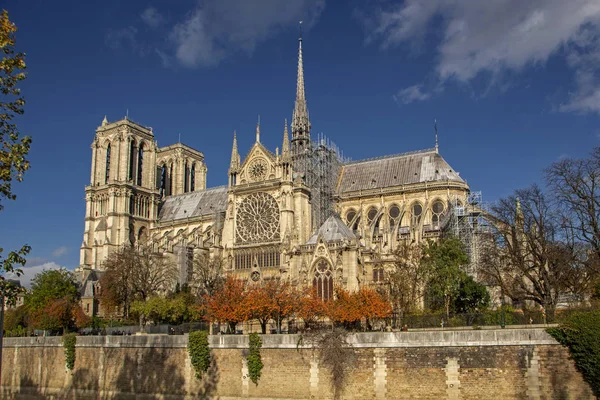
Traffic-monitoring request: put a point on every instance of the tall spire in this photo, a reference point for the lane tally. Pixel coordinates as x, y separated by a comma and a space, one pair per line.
437, 148
285, 147
258, 130
300, 121
235, 156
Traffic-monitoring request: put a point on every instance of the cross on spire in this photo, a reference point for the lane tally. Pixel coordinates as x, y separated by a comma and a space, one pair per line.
300, 119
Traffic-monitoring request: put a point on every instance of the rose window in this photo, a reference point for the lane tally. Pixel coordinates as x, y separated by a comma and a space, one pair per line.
257, 219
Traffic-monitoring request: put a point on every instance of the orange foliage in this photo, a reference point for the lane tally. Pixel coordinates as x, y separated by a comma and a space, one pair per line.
228, 303
272, 301
352, 307
310, 306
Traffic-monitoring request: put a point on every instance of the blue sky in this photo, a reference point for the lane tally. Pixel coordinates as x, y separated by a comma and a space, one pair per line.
513, 87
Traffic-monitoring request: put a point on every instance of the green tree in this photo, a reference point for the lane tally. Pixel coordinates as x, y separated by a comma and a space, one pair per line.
444, 260
472, 296
50, 285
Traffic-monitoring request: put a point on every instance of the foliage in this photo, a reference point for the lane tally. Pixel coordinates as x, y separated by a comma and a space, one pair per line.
255, 364
334, 352
18, 331
15, 318
227, 304
7, 265
272, 301
472, 296
199, 352
135, 273
443, 260
581, 334
350, 308
13, 148
69, 341
310, 307
49, 286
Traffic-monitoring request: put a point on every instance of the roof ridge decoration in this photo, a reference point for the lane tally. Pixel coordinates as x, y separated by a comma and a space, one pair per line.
408, 153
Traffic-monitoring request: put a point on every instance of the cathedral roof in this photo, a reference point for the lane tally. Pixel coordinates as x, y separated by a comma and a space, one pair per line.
194, 204
332, 230
396, 170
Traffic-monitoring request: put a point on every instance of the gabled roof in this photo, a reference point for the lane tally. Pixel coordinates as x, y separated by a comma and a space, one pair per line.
194, 204
396, 170
332, 230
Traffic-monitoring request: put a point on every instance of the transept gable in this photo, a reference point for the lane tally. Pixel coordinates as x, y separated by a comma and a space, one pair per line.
259, 165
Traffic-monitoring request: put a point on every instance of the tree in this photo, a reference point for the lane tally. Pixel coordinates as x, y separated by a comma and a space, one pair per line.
310, 306
472, 296
50, 285
444, 260
372, 305
135, 273
525, 257
53, 301
13, 147
227, 304
207, 275
407, 277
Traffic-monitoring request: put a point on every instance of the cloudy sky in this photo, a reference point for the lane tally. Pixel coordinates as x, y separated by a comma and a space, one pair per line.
514, 86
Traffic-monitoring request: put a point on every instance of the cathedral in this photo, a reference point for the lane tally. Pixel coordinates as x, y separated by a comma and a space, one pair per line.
302, 214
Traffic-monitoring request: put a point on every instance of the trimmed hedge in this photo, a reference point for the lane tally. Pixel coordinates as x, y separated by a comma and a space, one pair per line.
581, 334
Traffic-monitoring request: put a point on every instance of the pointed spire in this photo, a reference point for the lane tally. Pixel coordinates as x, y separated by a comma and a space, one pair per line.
258, 130
437, 148
104, 121
235, 156
300, 120
285, 147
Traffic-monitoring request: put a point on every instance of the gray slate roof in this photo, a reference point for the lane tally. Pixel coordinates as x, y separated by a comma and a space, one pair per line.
194, 204
332, 230
401, 169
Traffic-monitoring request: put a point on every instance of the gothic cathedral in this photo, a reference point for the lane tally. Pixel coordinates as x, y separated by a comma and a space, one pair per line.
302, 214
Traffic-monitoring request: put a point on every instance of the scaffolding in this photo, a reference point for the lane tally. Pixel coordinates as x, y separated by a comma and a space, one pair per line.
320, 164
466, 221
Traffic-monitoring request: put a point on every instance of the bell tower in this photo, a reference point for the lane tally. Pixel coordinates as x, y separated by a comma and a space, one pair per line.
122, 197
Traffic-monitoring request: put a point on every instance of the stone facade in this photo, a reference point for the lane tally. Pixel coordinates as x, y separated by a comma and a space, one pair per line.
509, 364
264, 223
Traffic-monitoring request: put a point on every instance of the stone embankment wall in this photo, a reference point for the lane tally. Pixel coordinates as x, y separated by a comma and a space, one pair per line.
498, 364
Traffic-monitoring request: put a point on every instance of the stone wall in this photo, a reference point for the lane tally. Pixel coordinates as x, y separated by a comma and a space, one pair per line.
504, 364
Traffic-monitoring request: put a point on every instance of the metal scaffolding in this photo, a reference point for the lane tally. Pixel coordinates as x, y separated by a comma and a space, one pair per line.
467, 223
320, 163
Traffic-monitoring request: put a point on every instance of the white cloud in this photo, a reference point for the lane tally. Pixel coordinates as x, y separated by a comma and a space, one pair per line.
30, 272
152, 17
61, 251
411, 94
217, 28
495, 36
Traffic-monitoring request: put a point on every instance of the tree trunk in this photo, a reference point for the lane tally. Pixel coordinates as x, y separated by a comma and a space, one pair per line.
263, 326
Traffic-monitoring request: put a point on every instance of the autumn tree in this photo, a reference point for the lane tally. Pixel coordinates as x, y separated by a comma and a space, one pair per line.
372, 305
273, 300
135, 273
310, 307
14, 147
53, 302
227, 304
525, 257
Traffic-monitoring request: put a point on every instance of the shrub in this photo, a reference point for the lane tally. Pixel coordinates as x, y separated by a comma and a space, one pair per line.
69, 341
199, 352
581, 334
255, 364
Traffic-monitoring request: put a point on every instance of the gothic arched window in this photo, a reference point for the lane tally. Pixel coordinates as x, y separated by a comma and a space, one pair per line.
163, 179
193, 178
323, 280
394, 213
170, 180
140, 164
186, 176
107, 164
437, 212
416, 212
131, 160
